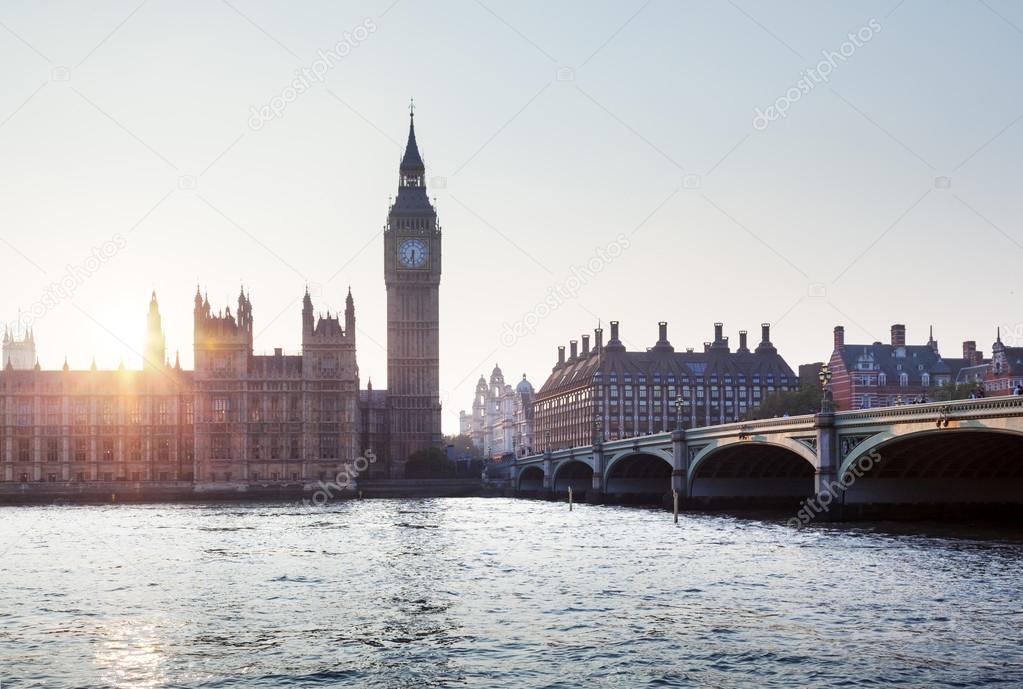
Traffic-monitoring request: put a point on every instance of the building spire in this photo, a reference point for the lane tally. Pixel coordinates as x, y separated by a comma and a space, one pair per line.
412, 163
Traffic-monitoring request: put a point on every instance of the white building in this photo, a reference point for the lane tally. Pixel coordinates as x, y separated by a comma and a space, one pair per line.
19, 354
501, 422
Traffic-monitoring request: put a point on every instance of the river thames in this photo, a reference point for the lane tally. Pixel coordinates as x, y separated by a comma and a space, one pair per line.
497, 593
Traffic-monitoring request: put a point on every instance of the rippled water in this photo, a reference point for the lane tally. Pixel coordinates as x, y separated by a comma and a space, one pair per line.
495, 593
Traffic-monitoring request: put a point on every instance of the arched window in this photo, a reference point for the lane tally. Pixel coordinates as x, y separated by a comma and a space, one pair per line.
904, 379
925, 380
882, 379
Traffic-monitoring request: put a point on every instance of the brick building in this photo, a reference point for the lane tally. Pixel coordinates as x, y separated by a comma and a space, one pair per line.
635, 393
879, 375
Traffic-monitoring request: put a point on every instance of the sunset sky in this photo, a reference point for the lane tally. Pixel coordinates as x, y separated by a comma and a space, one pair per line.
888, 192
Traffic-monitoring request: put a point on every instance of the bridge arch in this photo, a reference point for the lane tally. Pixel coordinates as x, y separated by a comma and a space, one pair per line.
531, 479
574, 473
752, 472
638, 476
920, 463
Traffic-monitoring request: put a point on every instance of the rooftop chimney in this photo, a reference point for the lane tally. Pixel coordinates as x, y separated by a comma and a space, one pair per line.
970, 352
662, 338
765, 345
561, 356
719, 331
898, 335
615, 344
573, 348
742, 341
598, 339
839, 337
586, 345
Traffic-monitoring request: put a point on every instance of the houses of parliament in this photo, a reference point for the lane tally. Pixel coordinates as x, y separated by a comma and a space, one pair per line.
241, 418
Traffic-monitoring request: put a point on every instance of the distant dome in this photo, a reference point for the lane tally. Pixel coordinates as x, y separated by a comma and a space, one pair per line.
524, 386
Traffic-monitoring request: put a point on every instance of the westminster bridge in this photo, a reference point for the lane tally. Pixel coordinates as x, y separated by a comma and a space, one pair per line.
967, 452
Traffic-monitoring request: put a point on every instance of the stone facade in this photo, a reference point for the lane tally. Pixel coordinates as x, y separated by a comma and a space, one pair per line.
501, 422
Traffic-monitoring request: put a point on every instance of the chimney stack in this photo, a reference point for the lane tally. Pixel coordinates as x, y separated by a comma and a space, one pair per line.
662, 344
898, 335
970, 352
742, 341
765, 333
598, 339
573, 350
561, 356
615, 344
839, 337
719, 331
586, 345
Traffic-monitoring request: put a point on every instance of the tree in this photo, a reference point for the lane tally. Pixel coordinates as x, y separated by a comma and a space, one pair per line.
807, 400
952, 391
430, 462
463, 446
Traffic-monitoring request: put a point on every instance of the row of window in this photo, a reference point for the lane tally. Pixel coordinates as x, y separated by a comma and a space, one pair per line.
107, 450
107, 412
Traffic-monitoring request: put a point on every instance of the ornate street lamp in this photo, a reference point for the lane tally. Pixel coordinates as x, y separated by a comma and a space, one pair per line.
827, 400
598, 428
547, 440
678, 410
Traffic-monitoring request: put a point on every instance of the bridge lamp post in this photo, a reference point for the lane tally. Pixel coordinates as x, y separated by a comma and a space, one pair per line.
547, 441
598, 428
827, 400
678, 411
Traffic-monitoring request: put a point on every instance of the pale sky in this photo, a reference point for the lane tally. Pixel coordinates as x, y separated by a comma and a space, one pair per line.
557, 129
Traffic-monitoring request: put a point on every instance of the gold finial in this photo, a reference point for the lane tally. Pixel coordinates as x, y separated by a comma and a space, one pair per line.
412, 107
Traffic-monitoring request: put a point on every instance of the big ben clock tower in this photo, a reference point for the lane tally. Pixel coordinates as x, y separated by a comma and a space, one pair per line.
412, 261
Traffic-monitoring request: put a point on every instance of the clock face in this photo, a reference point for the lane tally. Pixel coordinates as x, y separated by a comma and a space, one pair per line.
412, 253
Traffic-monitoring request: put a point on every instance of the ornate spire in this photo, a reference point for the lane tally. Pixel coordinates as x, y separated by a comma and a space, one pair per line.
65, 367
412, 163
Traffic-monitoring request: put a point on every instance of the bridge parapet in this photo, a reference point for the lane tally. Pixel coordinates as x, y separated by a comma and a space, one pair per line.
910, 413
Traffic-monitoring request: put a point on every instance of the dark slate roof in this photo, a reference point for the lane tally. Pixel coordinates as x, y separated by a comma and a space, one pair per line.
917, 360
956, 365
971, 374
692, 365
329, 326
373, 399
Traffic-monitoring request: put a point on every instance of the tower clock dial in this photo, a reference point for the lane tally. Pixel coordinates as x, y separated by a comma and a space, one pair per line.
412, 253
